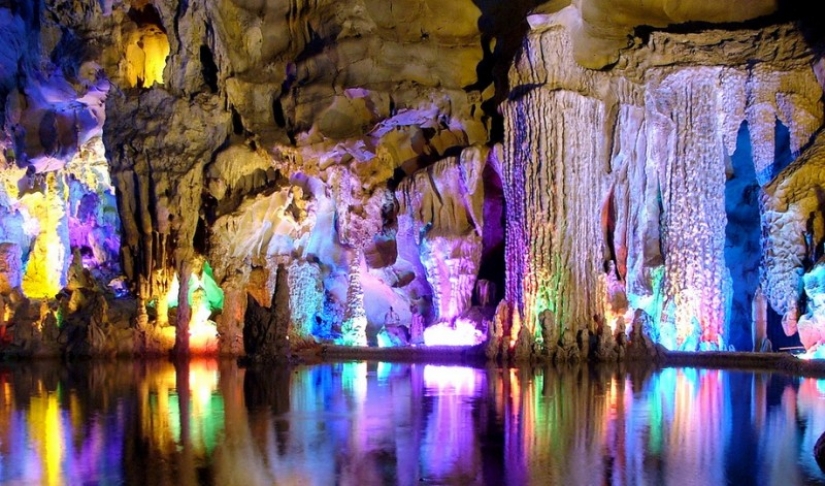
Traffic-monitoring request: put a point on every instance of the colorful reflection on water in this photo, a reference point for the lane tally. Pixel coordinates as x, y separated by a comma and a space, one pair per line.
406, 424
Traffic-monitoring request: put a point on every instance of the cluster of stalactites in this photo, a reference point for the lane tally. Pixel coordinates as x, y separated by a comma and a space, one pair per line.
616, 182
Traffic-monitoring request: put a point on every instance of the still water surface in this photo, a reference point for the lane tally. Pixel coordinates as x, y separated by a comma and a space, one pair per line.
209, 422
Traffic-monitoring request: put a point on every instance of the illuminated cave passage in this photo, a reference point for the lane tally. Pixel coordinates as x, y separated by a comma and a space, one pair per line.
742, 233
146, 49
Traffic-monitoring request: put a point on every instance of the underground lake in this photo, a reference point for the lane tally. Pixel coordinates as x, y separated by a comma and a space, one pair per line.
367, 422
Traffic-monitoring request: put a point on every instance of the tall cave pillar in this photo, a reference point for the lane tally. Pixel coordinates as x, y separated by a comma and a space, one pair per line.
615, 183
554, 175
685, 142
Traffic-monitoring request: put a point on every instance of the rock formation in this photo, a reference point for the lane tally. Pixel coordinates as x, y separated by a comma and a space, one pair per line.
238, 176
634, 161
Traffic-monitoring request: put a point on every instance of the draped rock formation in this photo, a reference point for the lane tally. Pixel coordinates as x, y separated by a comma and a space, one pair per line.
622, 174
573, 178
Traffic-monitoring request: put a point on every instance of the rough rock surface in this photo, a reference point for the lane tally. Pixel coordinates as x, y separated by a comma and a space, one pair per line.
629, 166
794, 209
441, 215
601, 28
389, 171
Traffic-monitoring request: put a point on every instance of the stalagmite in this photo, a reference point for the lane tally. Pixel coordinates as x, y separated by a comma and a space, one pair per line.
760, 322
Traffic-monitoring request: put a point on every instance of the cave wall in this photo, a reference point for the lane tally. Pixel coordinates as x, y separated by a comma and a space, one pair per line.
619, 176
400, 168
243, 137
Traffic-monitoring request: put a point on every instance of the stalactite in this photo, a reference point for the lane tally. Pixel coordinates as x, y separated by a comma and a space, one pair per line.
185, 271
693, 190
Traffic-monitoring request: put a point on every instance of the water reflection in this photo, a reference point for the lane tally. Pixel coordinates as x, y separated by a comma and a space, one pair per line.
406, 424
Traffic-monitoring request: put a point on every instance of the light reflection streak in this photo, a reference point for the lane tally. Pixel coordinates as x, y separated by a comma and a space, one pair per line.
690, 445
44, 444
450, 451
47, 434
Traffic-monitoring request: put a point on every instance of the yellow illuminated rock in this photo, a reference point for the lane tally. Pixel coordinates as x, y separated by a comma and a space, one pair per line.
146, 57
44, 275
